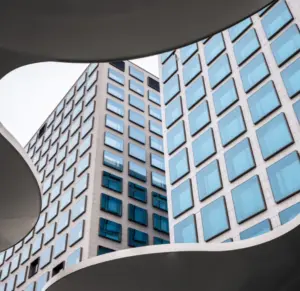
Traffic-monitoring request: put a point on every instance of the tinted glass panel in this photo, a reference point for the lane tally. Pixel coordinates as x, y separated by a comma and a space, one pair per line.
179, 166
218, 71
155, 112
137, 214
159, 201
173, 111
112, 182
136, 102
137, 152
115, 107
116, 76
137, 118
154, 97
158, 180
115, 91
136, 73
137, 238
236, 30
296, 107
157, 162
160, 223
191, 69
195, 92
199, 118
156, 144
171, 89
176, 137
137, 171
114, 123
256, 230
214, 47
114, 141
137, 134
187, 51
169, 68
291, 77
185, 231
136, 87
290, 213
137, 192
155, 127
164, 56
110, 230
113, 161
182, 198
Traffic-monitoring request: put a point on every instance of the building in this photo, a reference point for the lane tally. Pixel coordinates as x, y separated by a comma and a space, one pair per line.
231, 115
100, 159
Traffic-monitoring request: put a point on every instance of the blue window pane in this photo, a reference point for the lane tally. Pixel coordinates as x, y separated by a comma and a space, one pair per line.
187, 51
137, 118
296, 107
114, 123
264, 10
209, 180
191, 69
239, 160
204, 147
115, 91
263, 102
286, 45
173, 111
228, 240
159, 201
137, 238
219, 71
248, 199
116, 76
115, 107
185, 231
137, 134
155, 127
195, 92
290, 213
158, 180
113, 161
276, 19
254, 72
182, 198
171, 88
291, 77
256, 230
214, 47
157, 162
112, 182
156, 144
136, 102
110, 230
160, 241
165, 56
137, 152
137, 171
137, 192
169, 68
113, 141
225, 96
176, 137
136, 73
214, 219
154, 97
268, 135
199, 118
137, 214
236, 30
74, 258
179, 166
160, 223
155, 112
246, 46
284, 177
103, 250
232, 125
136, 87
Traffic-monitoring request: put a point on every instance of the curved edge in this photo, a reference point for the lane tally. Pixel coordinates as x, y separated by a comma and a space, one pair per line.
277, 233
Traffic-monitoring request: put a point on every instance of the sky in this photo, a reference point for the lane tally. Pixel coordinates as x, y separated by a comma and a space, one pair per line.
29, 94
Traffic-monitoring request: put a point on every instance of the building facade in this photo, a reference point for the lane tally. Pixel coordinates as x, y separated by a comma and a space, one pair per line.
100, 159
231, 114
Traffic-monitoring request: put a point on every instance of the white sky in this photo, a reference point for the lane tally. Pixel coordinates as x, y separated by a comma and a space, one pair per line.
29, 94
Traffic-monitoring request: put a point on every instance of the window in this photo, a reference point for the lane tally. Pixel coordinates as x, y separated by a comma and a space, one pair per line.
92, 67
111, 205
248, 199
53, 211
56, 190
103, 250
290, 77
113, 161
195, 92
290, 213
158, 180
74, 258
137, 118
85, 145
52, 152
160, 223
71, 160
77, 110
2, 258
171, 89
37, 244
286, 45
87, 127
157, 162
137, 134
66, 123
57, 269
115, 91
254, 72
139, 75
165, 56
66, 199
159, 201
25, 254
246, 47
256, 230
33, 268
110, 230
69, 178
5, 272
60, 245
214, 218
277, 17
50, 168
179, 166
41, 223
137, 238
114, 141
116, 76
79, 208
136, 102
263, 102
81, 81
187, 51
182, 198
219, 71
137, 192
284, 177
185, 231
169, 68
137, 214
70, 94
76, 233
112, 182
9, 253
199, 118
236, 30
119, 65
159, 241
137, 171
209, 180
89, 110
214, 47
239, 160
137, 152
15, 263
21, 277
49, 233
61, 156
45, 257
268, 135
203, 147
191, 69
296, 107
30, 287
74, 142
115, 107
173, 111
154, 112
83, 165
154, 97
155, 127
156, 144
231, 126
153, 84
63, 221
136, 87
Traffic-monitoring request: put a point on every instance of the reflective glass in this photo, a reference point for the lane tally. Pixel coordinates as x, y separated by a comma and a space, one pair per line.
69, 178
187, 51
77, 110
75, 125
111, 205
155, 112
137, 171
37, 244
154, 97
171, 88
236, 30
74, 142
60, 245
137, 118
173, 111
159, 201
137, 192
290, 213
45, 257
63, 221
137, 238
199, 118
92, 80
169, 68
291, 77
182, 198
112, 182
157, 162
137, 152
110, 230
115, 91
179, 166
219, 71
136, 73
89, 110
176, 137
185, 231
79, 208
71, 160
155, 127
114, 141
76, 233
21, 277
53, 211
83, 164
136, 87
191, 69
156, 144
74, 258
90, 95
81, 185
66, 199
116, 76
158, 180
113, 161
165, 56
136, 102
256, 230
296, 107
137, 134
195, 92
49, 233
115, 107
214, 47
159, 241
114, 123
137, 214
160, 223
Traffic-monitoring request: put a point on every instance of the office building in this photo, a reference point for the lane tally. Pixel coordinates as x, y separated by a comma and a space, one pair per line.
231, 118
100, 159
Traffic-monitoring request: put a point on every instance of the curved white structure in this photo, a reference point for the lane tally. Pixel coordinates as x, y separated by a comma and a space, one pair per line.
20, 197
266, 263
